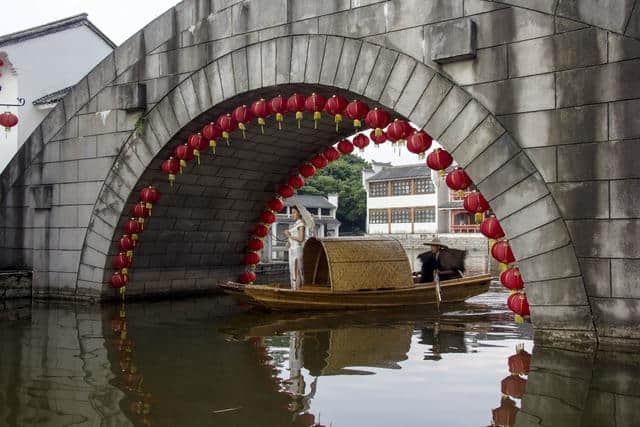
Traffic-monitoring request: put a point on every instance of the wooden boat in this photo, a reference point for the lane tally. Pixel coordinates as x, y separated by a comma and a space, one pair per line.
356, 273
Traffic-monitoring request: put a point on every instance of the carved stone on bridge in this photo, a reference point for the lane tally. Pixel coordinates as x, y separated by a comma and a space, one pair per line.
453, 41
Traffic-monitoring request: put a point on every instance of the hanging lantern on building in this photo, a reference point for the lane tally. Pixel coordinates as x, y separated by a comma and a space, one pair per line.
126, 245
378, 139
211, 133
243, 116
319, 161
275, 204
331, 154
475, 203
8, 120
512, 279
279, 108
307, 170
133, 228
251, 258
345, 147
150, 195
248, 277
140, 211
505, 414
513, 386
315, 104
398, 131
378, 119
419, 142
335, 106
267, 217
171, 166
121, 262
261, 109
518, 303
197, 144
361, 141
255, 244
185, 154
490, 228
501, 251
439, 160
119, 280
458, 180
357, 111
227, 124
296, 181
261, 230
286, 191
296, 104
520, 363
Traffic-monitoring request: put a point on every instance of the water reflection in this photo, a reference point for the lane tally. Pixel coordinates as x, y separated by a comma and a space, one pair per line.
203, 362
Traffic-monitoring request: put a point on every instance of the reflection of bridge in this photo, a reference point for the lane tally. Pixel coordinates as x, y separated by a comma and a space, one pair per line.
548, 136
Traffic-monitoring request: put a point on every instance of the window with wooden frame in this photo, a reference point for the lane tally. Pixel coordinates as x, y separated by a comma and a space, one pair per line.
401, 188
378, 189
378, 216
424, 214
424, 186
401, 215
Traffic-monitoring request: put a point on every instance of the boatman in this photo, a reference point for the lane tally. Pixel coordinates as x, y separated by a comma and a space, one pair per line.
449, 263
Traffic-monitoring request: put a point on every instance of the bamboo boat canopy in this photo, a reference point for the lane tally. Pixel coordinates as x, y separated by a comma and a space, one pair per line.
356, 263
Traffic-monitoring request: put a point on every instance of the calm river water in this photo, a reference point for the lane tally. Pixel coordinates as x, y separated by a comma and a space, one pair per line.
205, 362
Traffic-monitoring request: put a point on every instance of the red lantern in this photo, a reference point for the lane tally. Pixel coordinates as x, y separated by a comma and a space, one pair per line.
490, 227
255, 244
275, 204
345, 147
336, 106
307, 170
149, 195
319, 161
520, 363
140, 211
261, 109
378, 119
357, 111
248, 277
518, 303
227, 124
197, 144
501, 251
439, 160
185, 154
296, 104
361, 141
419, 142
331, 154
514, 386
8, 120
285, 191
242, 115
378, 139
119, 280
171, 167
458, 180
121, 262
261, 230
279, 107
475, 203
315, 104
512, 279
251, 258
296, 181
126, 244
267, 217
398, 130
505, 414
210, 133
133, 227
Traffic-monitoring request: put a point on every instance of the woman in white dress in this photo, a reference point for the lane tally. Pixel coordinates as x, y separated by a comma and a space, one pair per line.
296, 237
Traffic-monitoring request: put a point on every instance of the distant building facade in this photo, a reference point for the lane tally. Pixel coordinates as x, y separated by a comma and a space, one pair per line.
41, 64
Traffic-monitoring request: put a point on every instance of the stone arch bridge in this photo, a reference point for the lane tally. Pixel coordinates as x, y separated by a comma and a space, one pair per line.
537, 100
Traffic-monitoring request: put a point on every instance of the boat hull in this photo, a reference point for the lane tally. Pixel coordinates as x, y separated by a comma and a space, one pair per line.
320, 298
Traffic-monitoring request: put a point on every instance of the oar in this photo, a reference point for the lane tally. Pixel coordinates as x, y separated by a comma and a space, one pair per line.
438, 294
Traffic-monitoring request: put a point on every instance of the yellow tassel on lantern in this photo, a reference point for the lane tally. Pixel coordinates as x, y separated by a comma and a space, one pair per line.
518, 318
298, 117
316, 116
357, 123
130, 254
338, 120
478, 217
196, 154
213, 144
141, 220
279, 119
461, 193
421, 156
503, 267
261, 122
149, 205
378, 132
124, 271
134, 236
243, 128
442, 173
225, 135
172, 178
253, 267
123, 290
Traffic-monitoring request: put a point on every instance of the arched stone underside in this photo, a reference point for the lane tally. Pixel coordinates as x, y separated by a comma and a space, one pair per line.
567, 92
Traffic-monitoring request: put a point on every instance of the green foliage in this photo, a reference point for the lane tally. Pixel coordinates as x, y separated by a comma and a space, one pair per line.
343, 176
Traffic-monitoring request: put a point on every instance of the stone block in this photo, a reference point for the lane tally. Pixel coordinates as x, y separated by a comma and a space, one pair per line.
400, 75
77, 98
582, 200
489, 65
565, 51
593, 12
254, 66
58, 172
214, 82
103, 73
258, 14
64, 261
492, 159
299, 58
190, 98
509, 174
268, 63
42, 196
71, 238
225, 67
625, 278
159, 30
616, 317
545, 161
366, 62
516, 95
108, 144
348, 58
624, 197
53, 122
610, 82
129, 52
240, 70
97, 123
568, 291
512, 25
283, 60
482, 137
473, 7
606, 238
621, 48
79, 148
468, 119
168, 117
410, 41
603, 160
564, 25
410, 13
540, 240
331, 58
94, 169
303, 9
380, 74
452, 41
360, 22
596, 273
577, 317
624, 122
81, 193
452, 104
315, 54
519, 196
132, 96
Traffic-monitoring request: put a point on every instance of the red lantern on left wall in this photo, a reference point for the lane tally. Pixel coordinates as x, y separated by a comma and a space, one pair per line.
150, 195
8, 120
121, 262
251, 258
171, 166
140, 211
119, 280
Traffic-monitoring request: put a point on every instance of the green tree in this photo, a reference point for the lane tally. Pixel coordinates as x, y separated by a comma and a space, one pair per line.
343, 176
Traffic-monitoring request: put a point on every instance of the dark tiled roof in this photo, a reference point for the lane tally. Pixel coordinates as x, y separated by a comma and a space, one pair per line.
54, 27
399, 172
309, 201
53, 97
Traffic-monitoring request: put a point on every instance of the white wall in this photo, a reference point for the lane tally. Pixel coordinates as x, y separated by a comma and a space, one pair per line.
414, 200
44, 65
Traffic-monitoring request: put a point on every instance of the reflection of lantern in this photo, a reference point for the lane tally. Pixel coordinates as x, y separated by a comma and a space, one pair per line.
279, 107
210, 133
133, 227
8, 120
318, 161
475, 203
419, 142
520, 363
118, 280
336, 106
296, 104
171, 167
285, 191
458, 180
197, 144
501, 251
357, 111
255, 244
126, 244
275, 204
261, 230
140, 211
513, 386
185, 153
251, 258
248, 277
261, 109
378, 139
331, 154
227, 124
345, 147
150, 195
377, 119
267, 217
121, 262
243, 116
518, 303
505, 414
296, 181
512, 279
439, 160
315, 104
361, 141
307, 170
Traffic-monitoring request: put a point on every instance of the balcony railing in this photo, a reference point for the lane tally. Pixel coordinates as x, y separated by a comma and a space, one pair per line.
465, 228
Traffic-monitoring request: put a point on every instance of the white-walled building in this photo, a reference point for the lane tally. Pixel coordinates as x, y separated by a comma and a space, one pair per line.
40, 65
